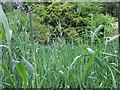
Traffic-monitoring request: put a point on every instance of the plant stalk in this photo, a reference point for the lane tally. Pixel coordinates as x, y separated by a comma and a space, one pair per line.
33, 49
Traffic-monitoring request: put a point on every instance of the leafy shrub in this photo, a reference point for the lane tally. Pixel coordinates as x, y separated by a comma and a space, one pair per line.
42, 33
71, 19
65, 20
86, 8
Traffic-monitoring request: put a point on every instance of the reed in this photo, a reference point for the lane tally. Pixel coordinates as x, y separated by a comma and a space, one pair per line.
33, 50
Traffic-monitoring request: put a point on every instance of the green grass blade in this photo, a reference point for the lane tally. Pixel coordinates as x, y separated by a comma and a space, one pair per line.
2, 35
110, 54
5, 25
97, 60
22, 71
14, 64
113, 38
113, 78
98, 29
95, 32
8, 74
75, 60
28, 64
89, 63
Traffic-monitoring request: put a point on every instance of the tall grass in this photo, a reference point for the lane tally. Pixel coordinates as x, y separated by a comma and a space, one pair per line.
5, 32
8, 34
60, 64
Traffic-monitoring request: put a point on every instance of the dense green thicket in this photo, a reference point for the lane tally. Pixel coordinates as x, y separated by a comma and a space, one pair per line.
69, 21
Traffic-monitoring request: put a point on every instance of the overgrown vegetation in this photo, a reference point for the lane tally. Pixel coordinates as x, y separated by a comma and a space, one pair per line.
65, 20
75, 45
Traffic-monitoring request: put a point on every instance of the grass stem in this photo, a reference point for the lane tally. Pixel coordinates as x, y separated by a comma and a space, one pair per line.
33, 50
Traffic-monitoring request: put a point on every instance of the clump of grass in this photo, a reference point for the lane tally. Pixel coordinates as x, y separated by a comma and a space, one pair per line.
19, 65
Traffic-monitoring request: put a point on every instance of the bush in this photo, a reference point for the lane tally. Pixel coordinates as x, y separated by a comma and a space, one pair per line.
70, 20
65, 20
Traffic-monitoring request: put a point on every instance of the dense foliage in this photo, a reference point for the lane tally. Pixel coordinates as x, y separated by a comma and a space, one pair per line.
65, 20
63, 53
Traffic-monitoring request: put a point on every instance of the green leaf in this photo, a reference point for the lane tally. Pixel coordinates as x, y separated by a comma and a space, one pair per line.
89, 63
97, 60
95, 32
8, 74
113, 78
22, 71
5, 25
110, 54
2, 35
113, 38
28, 64
75, 60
